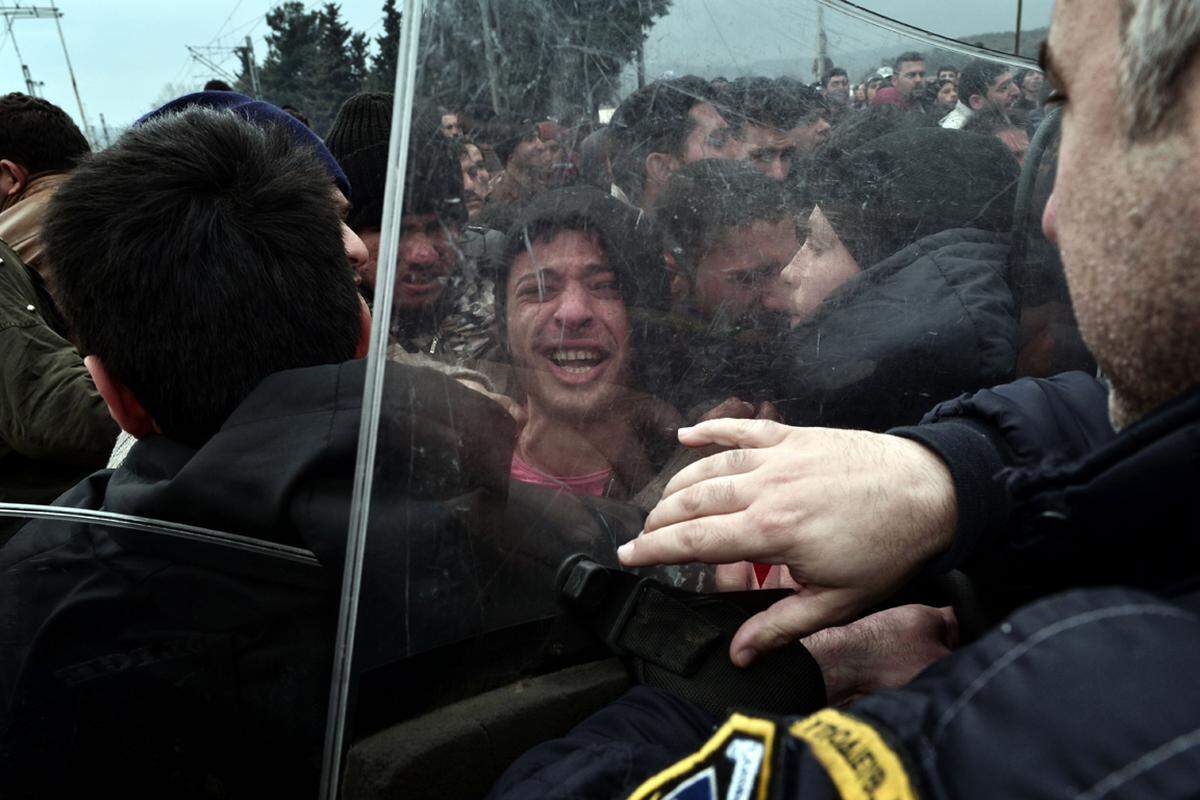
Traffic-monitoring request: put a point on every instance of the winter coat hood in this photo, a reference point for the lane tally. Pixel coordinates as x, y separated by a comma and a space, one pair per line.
927, 323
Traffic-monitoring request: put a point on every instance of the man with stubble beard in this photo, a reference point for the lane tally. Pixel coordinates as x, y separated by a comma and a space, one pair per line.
574, 277
442, 303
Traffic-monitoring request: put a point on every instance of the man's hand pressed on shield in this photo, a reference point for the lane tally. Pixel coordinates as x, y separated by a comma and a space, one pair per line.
852, 515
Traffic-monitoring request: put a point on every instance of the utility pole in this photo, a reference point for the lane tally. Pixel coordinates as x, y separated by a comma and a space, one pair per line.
249, 67
489, 54
11, 13
1017, 36
104, 127
254, 87
87, 126
641, 49
821, 63
30, 84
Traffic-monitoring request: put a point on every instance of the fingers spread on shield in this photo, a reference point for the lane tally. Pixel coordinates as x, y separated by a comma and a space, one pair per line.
712, 540
721, 465
704, 499
734, 433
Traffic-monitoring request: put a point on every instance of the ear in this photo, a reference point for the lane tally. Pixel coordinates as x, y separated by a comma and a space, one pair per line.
122, 405
364, 329
19, 175
975, 102
659, 167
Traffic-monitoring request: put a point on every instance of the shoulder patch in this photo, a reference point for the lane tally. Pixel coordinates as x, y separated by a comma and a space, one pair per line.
735, 764
860, 763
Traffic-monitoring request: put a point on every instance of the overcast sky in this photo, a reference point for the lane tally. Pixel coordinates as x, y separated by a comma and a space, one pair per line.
126, 52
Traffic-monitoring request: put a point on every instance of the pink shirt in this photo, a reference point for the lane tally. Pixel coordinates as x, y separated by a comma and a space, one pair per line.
593, 484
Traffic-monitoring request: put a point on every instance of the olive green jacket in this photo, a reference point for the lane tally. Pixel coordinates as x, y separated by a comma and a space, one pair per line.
54, 427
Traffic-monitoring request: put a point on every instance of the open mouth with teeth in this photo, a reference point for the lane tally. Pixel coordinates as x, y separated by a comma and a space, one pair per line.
576, 364
418, 283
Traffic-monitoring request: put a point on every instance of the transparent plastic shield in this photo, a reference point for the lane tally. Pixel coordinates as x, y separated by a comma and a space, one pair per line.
578, 228
576, 254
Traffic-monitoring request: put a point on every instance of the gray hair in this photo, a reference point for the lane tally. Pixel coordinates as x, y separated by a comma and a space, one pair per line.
1158, 40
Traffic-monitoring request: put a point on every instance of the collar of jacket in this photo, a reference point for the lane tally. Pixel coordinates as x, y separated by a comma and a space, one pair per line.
1140, 486
37, 184
282, 466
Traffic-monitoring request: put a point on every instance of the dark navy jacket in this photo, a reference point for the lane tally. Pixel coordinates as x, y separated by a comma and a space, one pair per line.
1050, 497
1083, 692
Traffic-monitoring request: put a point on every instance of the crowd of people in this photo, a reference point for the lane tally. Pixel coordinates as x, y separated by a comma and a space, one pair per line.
795, 274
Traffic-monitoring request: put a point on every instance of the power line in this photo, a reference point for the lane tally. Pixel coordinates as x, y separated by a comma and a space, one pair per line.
11, 14
221, 30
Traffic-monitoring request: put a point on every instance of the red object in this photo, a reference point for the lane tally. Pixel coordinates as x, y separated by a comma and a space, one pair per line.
760, 572
886, 96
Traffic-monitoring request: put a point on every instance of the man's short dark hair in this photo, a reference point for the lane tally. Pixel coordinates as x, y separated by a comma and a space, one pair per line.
39, 135
908, 57
836, 72
870, 124
198, 255
947, 68
782, 103
459, 147
594, 159
218, 85
624, 234
977, 77
706, 199
654, 119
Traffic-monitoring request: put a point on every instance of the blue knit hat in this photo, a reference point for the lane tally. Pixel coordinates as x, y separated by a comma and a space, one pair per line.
259, 112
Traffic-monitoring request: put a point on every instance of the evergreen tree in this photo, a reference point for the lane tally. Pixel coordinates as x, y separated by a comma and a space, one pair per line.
383, 61
340, 66
532, 57
313, 61
558, 58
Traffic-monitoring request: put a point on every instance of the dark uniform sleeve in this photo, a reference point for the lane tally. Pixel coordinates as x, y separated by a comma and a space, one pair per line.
1019, 424
1087, 694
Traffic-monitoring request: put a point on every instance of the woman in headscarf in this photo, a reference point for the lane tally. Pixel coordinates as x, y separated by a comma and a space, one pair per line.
899, 295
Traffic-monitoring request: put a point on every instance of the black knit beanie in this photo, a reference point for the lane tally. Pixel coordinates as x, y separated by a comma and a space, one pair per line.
359, 141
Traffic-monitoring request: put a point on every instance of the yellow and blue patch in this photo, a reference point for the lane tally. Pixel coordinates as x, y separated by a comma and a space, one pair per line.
737, 763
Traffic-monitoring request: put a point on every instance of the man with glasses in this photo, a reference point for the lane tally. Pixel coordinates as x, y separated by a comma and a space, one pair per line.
908, 84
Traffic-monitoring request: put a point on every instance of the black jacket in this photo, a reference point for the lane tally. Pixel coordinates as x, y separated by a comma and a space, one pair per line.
1090, 693
1051, 497
195, 665
929, 322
